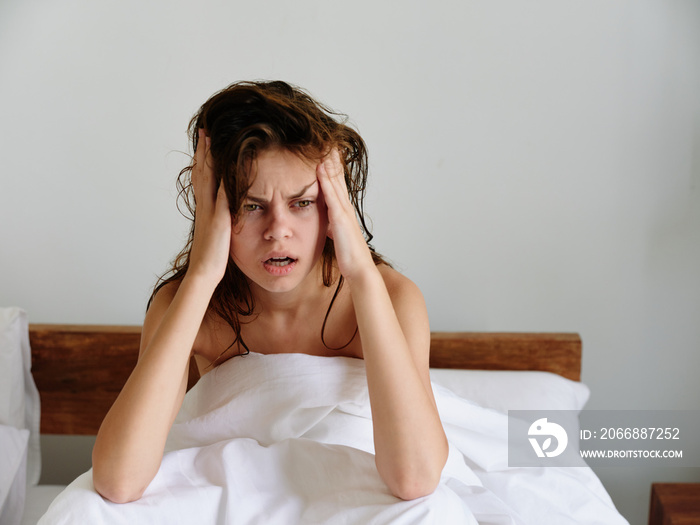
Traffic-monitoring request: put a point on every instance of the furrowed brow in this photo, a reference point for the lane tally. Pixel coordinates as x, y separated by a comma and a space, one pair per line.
304, 190
261, 200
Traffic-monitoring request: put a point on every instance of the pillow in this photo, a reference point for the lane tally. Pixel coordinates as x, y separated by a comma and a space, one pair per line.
505, 390
19, 398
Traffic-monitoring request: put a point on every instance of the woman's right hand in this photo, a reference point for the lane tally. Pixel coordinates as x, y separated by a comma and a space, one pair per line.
212, 225
129, 446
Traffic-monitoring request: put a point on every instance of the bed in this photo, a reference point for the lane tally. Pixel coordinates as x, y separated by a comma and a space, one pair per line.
79, 370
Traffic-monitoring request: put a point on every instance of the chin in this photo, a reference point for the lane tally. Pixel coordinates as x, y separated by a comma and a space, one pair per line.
276, 284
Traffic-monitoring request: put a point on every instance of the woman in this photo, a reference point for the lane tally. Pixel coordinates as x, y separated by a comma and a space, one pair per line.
277, 262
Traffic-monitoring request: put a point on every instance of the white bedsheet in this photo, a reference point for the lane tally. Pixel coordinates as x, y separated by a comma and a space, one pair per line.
287, 438
19, 397
20, 460
13, 467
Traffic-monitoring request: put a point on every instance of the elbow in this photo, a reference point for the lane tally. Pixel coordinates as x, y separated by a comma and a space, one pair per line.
411, 489
117, 494
113, 486
414, 481
116, 481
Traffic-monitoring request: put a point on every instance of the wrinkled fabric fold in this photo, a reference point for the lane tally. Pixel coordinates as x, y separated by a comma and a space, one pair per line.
287, 438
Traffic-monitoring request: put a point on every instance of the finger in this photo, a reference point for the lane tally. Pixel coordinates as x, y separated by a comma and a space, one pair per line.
333, 166
203, 178
335, 175
222, 206
330, 193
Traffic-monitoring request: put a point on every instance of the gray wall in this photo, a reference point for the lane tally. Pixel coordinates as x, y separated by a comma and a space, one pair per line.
535, 164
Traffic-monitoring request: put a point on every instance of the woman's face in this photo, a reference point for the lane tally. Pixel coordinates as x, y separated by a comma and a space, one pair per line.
280, 231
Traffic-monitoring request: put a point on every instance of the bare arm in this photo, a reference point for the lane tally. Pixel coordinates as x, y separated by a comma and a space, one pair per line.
410, 444
131, 440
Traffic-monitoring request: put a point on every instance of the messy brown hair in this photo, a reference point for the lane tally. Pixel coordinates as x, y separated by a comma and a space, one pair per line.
243, 120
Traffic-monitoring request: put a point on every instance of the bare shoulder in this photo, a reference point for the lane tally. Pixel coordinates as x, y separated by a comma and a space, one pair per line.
400, 287
156, 311
409, 306
163, 296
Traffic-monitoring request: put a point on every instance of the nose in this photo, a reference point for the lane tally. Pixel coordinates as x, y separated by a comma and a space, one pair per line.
278, 225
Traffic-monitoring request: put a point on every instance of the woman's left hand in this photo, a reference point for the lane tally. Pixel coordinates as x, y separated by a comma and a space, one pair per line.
409, 441
351, 250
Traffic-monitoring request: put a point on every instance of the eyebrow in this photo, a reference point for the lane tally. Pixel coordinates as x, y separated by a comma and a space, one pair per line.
291, 197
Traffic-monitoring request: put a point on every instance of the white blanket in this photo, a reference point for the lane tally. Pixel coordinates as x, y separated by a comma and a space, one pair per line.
287, 438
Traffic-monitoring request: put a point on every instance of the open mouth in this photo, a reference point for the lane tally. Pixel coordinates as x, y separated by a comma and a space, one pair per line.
280, 261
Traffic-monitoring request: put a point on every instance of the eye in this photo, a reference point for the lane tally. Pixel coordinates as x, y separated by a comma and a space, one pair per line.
304, 203
251, 207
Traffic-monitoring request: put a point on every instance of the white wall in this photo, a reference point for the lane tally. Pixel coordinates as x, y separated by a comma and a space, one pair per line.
535, 164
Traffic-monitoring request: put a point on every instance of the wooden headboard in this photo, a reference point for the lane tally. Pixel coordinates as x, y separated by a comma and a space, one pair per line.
80, 369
